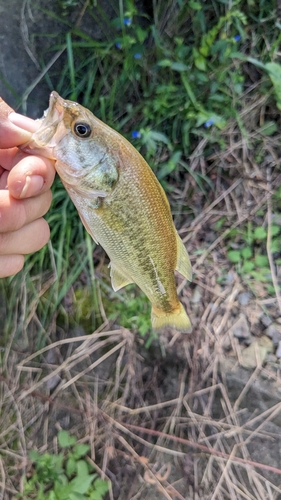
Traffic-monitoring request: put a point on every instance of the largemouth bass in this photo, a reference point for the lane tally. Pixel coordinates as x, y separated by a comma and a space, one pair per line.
121, 204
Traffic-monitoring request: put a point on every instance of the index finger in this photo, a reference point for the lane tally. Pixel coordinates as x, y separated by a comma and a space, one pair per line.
10, 134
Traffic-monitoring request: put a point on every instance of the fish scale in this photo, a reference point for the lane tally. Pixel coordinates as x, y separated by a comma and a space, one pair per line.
120, 202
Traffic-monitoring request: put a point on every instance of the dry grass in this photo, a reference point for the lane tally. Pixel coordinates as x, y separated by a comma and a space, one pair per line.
197, 445
193, 424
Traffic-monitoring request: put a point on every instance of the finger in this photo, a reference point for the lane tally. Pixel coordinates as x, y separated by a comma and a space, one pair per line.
31, 175
10, 265
11, 135
15, 214
24, 122
15, 129
28, 239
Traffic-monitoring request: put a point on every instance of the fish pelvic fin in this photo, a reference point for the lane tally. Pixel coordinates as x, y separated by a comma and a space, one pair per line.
183, 262
177, 319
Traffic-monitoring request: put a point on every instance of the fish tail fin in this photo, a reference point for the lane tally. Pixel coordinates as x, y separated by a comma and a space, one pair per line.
177, 319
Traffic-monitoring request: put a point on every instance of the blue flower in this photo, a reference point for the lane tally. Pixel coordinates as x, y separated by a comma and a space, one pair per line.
136, 134
118, 45
209, 123
237, 38
127, 21
137, 55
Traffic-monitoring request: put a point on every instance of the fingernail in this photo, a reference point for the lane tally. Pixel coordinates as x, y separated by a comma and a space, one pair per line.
33, 186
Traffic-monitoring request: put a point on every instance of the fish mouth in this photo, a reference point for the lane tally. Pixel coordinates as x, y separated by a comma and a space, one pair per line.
52, 127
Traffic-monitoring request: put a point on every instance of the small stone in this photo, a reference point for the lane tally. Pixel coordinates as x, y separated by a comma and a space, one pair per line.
229, 278
197, 295
278, 352
274, 333
266, 320
241, 329
256, 353
244, 298
52, 382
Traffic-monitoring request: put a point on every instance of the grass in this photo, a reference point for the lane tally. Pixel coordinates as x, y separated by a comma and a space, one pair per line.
192, 85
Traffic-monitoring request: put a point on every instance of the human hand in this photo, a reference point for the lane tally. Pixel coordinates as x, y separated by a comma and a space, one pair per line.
25, 194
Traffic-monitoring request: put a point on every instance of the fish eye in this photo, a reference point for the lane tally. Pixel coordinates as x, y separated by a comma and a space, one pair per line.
82, 129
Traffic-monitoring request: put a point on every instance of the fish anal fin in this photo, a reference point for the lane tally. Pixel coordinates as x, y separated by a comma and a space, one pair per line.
183, 263
178, 319
118, 279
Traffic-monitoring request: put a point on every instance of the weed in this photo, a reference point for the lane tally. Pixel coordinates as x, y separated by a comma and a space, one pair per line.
250, 254
65, 476
168, 79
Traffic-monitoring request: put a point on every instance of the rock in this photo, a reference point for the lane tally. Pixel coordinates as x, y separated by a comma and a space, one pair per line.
229, 278
241, 329
278, 352
265, 320
244, 298
254, 355
274, 333
53, 382
197, 295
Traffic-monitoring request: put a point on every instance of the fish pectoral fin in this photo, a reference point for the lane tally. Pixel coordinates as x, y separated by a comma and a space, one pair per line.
118, 279
183, 262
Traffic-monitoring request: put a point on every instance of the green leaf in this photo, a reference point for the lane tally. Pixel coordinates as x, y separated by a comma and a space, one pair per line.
194, 5
204, 116
200, 62
260, 233
179, 66
262, 261
269, 128
70, 466
81, 484
77, 496
246, 253
164, 63
101, 486
248, 266
80, 450
275, 230
159, 137
65, 440
274, 73
275, 246
82, 468
234, 256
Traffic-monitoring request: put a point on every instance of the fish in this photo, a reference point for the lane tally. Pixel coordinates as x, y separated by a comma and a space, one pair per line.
121, 204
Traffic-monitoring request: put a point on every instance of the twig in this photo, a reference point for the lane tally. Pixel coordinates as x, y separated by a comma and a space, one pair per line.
268, 242
203, 448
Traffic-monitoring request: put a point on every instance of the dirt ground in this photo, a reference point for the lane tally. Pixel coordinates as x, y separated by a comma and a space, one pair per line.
196, 416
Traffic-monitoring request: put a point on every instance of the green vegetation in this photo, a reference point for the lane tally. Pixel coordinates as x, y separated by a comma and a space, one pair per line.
170, 79
195, 86
250, 253
63, 476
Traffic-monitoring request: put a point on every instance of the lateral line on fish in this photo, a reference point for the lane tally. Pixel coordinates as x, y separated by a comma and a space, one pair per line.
159, 282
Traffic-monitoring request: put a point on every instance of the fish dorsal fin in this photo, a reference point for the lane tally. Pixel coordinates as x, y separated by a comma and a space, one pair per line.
118, 279
183, 262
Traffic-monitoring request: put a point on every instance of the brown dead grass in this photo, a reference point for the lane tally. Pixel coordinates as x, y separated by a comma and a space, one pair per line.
174, 427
